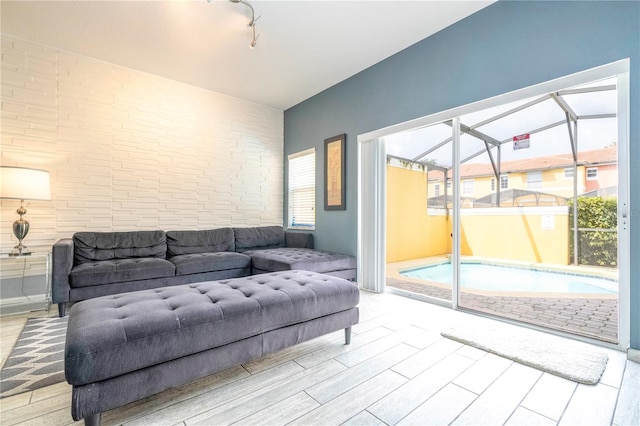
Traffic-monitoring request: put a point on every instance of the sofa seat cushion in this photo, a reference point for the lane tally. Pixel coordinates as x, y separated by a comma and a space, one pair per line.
113, 335
209, 262
286, 258
120, 270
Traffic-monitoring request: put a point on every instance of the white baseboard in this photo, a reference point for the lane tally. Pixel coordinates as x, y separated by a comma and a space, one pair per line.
633, 355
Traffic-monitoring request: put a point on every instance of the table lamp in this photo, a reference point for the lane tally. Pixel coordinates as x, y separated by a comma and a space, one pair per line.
19, 183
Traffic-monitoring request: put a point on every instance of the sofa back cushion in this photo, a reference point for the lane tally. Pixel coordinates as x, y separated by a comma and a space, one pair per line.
95, 246
261, 237
206, 241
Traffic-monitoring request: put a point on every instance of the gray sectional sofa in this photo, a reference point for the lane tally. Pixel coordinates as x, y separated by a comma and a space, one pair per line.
94, 264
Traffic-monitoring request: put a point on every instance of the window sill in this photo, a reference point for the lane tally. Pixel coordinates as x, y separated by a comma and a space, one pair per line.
301, 228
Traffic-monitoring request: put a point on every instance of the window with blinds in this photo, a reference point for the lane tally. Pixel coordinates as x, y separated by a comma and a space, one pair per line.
302, 190
467, 187
534, 180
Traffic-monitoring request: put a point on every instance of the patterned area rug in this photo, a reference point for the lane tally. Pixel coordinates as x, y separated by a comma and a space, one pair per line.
37, 360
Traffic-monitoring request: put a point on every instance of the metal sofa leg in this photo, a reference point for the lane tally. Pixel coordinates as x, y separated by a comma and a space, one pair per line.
62, 309
92, 420
347, 336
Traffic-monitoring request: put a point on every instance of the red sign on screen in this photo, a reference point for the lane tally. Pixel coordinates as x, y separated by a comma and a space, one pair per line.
521, 141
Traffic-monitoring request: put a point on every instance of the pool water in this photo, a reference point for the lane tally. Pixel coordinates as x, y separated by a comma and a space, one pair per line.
501, 278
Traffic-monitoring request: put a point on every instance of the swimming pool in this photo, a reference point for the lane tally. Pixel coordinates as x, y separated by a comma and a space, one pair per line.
489, 277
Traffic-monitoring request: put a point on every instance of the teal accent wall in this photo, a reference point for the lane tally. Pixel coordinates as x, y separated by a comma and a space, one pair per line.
504, 47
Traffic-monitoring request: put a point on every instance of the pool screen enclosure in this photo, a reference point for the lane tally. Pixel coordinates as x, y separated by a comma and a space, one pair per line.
565, 102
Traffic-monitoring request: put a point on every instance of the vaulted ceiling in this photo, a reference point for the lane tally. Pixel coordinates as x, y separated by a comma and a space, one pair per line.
303, 47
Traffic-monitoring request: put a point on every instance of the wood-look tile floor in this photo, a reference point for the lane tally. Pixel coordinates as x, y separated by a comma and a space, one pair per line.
397, 370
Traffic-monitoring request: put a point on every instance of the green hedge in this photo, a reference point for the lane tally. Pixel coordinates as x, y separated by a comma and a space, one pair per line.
596, 247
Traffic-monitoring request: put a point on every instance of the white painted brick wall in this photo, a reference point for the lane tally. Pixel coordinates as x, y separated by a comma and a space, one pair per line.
128, 150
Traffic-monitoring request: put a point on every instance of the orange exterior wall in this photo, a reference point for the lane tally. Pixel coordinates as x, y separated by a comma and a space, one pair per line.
607, 177
530, 234
553, 181
411, 233
534, 234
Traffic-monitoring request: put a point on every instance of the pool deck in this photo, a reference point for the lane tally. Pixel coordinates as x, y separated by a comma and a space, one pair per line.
593, 316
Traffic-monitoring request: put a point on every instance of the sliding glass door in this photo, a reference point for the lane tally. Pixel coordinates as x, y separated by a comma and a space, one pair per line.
419, 212
516, 210
538, 242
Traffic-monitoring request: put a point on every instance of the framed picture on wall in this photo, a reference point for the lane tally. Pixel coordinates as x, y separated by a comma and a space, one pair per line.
334, 172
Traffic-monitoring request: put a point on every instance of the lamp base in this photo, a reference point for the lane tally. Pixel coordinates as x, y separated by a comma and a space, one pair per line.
20, 230
20, 250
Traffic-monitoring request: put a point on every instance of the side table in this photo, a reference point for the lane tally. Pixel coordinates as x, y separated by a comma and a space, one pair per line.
25, 271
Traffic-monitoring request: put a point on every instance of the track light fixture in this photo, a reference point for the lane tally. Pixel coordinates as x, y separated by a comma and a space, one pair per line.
252, 23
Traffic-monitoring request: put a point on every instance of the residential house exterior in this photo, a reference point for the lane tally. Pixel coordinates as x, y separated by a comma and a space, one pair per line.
596, 171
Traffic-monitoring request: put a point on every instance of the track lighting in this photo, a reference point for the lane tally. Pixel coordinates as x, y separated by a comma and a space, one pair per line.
252, 23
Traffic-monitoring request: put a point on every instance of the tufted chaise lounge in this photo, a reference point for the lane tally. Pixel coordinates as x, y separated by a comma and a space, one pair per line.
289, 258
271, 251
125, 347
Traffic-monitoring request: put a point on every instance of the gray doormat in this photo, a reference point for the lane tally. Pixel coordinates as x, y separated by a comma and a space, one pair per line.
37, 359
566, 358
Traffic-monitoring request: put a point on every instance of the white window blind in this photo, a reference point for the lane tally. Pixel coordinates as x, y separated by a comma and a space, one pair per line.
568, 173
534, 180
302, 190
467, 187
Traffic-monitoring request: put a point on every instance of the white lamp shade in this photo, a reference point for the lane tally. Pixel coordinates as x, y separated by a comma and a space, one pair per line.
24, 184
